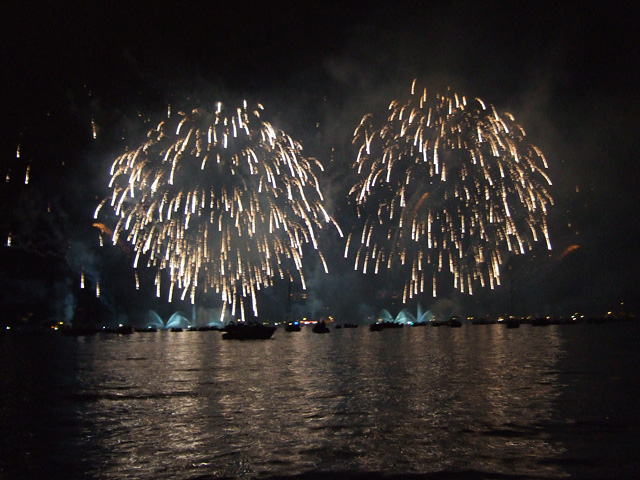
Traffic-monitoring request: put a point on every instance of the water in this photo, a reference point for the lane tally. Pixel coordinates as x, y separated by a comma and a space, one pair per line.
473, 402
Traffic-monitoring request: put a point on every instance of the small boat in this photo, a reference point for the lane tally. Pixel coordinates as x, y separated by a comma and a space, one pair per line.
320, 327
292, 327
455, 322
247, 331
512, 323
376, 327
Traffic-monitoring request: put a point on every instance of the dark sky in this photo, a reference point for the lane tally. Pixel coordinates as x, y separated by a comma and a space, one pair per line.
565, 70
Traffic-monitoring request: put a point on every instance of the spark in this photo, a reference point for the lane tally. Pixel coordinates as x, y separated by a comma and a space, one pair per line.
220, 201
452, 182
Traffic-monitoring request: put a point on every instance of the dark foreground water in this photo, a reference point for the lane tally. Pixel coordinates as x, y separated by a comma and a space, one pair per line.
435, 403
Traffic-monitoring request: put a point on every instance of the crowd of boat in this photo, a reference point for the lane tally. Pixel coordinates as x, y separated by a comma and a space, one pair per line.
259, 331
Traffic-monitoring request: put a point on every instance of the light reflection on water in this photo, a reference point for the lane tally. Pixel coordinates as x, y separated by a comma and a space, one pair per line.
186, 405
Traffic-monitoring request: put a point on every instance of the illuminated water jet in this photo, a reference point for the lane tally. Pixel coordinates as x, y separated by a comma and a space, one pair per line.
405, 316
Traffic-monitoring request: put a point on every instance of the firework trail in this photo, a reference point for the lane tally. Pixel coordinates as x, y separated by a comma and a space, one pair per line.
446, 184
220, 200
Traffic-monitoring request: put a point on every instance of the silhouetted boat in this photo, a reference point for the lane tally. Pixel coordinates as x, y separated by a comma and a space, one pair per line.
512, 323
455, 322
149, 329
175, 329
376, 327
247, 331
320, 327
292, 327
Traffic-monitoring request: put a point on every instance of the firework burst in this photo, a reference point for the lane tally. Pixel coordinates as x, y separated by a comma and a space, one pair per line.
446, 184
221, 201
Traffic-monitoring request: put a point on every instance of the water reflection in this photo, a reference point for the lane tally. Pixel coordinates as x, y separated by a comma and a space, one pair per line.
411, 400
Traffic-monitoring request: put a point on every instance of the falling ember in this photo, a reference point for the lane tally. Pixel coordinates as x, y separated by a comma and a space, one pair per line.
97, 289
26, 175
219, 201
454, 185
82, 279
9, 240
567, 251
18, 151
94, 129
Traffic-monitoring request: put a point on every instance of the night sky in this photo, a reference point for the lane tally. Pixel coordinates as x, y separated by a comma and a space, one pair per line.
567, 72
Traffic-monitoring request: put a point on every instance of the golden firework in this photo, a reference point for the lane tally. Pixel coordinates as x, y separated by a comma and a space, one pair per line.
221, 200
447, 183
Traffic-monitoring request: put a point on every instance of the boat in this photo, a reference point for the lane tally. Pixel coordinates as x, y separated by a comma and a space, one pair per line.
350, 325
376, 327
455, 321
247, 331
512, 323
320, 327
292, 327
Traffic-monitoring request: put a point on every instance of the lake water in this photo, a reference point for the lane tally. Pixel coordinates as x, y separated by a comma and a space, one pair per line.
474, 402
